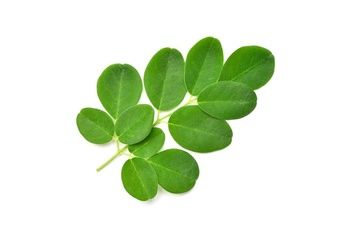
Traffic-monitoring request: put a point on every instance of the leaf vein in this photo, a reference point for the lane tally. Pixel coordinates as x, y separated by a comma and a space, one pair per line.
196, 130
173, 171
119, 92
164, 81
201, 66
139, 178
251, 67
97, 125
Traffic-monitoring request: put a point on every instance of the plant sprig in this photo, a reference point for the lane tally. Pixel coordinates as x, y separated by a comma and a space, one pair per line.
218, 92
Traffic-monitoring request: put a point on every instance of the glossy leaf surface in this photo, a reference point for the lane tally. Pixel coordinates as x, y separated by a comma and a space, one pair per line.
251, 65
95, 125
204, 64
134, 124
177, 170
195, 130
118, 88
139, 179
227, 100
150, 145
164, 79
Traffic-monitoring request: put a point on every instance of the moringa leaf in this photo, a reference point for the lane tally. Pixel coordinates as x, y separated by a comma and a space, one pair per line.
149, 146
251, 65
95, 125
204, 64
227, 100
139, 179
118, 88
177, 170
164, 79
223, 92
134, 124
195, 130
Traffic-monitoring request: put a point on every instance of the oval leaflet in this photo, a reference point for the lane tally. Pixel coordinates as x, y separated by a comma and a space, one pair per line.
95, 125
227, 100
164, 79
177, 170
251, 65
134, 124
204, 64
118, 88
139, 179
195, 130
150, 145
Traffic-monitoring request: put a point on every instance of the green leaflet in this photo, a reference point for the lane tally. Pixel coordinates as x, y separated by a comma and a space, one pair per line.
203, 65
164, 79
177, 170
118, 88
227, 100
251, 65
150, 145
134, 124
195, 130
95, 125
139, 179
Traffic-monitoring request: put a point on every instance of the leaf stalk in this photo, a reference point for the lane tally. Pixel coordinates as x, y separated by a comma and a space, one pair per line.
118, 153
159, 119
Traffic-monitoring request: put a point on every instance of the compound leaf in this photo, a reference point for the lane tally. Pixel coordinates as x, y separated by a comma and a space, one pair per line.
251, 65
204, 64
164, 79
177, 170
227, 100
134, 124
95, 125
150, 145
139, 179
195, 130
118, 88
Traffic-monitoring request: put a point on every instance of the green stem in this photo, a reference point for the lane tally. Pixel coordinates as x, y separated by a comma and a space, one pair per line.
192, 99
118, 153
118, 145
158, 121
158, 115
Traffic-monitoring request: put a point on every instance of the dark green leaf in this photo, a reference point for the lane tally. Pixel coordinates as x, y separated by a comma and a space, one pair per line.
95, 125
177, 170
164, 79
251, 65
118, 88
204, 65
195, 130
149, 146
134, 124
227, 100
139, 179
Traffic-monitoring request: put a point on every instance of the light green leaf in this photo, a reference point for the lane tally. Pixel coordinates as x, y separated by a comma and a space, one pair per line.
139, 179
164, 79
134, 124
204, 64
177, 170
149, 146
95, 125
251, 65
118, 88
195, 130
227, 100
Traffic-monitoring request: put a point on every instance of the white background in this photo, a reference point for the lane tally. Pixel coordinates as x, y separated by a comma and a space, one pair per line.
282, 167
